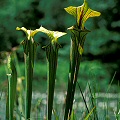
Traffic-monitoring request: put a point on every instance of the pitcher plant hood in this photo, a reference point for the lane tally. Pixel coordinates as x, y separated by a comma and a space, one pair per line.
82, 13
53, 35
29, 33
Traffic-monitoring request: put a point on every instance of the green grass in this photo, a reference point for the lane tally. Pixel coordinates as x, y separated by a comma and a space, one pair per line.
93, 71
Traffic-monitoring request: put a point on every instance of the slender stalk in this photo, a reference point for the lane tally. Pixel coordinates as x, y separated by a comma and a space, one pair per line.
77, 42
52, 55
83, 98
78, 58
29, 65
93, 103
12, 81
29, 77
70, 79
29, 46
81, 14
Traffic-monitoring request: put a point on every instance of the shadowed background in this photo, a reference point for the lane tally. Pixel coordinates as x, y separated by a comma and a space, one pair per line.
101, 58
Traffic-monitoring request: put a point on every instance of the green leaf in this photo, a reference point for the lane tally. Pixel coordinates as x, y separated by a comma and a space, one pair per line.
79, 36
87, 117
12, 82
82, 13
80, 49
72, 115
29, 46
71, 10
55, 114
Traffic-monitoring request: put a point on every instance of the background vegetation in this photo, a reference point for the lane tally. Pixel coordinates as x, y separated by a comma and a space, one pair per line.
101, 52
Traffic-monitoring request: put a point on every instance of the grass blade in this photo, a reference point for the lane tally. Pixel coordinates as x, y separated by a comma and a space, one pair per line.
12, 81
55, 114
87, 117
93, 103
72, 117
83, 97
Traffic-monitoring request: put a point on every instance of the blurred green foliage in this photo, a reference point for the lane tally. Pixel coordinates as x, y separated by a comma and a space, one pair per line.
102, 43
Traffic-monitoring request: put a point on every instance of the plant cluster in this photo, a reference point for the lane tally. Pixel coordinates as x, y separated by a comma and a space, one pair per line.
78, 36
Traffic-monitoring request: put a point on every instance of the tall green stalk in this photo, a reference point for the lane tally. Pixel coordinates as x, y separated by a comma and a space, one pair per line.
29, 46
78, 38
52, 56
78, 35
12, 81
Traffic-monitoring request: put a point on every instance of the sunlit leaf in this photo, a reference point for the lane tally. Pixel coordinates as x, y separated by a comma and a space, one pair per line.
72, 117
29, 33
88, 14
88, 116
82, 13
72, 10
80, 49
53, 35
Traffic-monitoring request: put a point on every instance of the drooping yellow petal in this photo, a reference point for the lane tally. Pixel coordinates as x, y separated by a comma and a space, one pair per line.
29, 33
89, 13
48, 32
34, 32
53, 35
23, 29
82, 13
71, 10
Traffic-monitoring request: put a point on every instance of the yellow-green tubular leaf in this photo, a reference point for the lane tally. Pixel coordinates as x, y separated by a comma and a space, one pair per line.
33, 49
53, 35
79, 36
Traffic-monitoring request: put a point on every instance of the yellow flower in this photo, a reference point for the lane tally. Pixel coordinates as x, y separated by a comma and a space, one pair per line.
82, 13
53, 35
29, 33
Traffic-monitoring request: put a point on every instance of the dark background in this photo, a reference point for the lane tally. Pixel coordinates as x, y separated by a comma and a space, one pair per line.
102, 46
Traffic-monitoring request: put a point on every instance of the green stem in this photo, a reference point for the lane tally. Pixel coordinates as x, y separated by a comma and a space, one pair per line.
10, 98
29, 77
12, 81
70, 79
52, 55
78, 39
74, 69
74, 80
